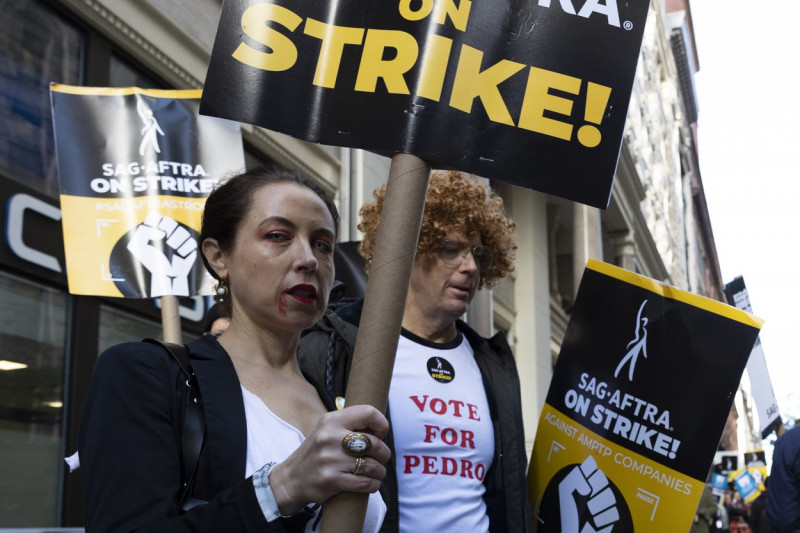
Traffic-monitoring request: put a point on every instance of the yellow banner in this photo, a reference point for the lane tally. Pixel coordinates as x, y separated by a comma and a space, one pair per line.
99, 230
627, 490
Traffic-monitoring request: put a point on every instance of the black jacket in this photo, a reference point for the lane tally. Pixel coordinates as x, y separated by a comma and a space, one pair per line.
783, 503
325, 355
130, 445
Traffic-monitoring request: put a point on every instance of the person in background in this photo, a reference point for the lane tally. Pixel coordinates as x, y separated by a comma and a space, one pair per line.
458, 445
271, 452
783, 504
216, 321
706, 511
722, 522
736, 510
758, 519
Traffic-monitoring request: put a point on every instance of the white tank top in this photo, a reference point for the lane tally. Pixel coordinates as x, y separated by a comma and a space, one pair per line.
271, 439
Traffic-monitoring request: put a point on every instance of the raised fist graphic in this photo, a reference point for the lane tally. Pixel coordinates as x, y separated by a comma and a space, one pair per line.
168, 276
587, 480
581, 499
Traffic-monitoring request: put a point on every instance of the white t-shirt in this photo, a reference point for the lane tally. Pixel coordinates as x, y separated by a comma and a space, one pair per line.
271, 439
443, 436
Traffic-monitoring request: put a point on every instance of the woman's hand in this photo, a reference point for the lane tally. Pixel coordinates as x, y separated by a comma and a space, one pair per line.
320, 468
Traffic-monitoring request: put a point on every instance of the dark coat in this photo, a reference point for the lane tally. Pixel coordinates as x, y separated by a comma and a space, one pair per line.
325, 356
130, 444
758, 519
783, 504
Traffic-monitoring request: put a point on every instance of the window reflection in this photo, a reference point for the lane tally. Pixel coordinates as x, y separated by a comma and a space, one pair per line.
32, 337
118, 326
38, 47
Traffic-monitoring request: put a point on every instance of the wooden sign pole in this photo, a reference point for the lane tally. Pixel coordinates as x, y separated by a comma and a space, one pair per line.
171, 319
382, 317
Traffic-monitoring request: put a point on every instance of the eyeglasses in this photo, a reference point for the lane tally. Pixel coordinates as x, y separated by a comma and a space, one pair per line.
453, 253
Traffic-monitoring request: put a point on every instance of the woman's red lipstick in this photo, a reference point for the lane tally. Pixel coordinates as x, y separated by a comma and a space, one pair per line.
303, 293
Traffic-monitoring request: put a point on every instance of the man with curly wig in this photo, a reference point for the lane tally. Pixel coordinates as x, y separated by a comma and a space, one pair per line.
458, 447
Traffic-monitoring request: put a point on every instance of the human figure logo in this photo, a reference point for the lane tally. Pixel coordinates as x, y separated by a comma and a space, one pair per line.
151, 129
638, 346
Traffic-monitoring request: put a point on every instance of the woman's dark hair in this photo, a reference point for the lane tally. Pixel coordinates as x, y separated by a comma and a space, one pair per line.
227, 205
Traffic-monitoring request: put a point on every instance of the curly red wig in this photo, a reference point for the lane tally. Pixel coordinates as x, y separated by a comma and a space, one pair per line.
454, 201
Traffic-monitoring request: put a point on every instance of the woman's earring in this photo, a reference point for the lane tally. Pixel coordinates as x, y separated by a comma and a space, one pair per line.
221, 290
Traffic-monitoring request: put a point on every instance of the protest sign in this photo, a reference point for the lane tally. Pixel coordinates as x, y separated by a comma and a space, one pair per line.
726, 462
719, 483
639, 397
769, 417
530, 93
756, 462
135, 168
745, 484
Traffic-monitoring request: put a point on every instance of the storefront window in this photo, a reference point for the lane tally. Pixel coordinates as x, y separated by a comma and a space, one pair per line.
37, 47
32, 337
119, 326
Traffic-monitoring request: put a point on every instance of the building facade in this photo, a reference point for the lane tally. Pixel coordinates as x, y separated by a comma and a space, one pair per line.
657, 223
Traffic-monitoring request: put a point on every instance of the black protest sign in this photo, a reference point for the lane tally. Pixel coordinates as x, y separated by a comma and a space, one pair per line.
532, 93
640, 395
135, 168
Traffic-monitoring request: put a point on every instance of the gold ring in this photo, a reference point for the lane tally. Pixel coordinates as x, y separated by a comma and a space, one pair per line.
356, 444
360, 462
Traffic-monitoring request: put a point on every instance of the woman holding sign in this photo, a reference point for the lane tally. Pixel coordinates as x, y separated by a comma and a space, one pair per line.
271, 452
459, 460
